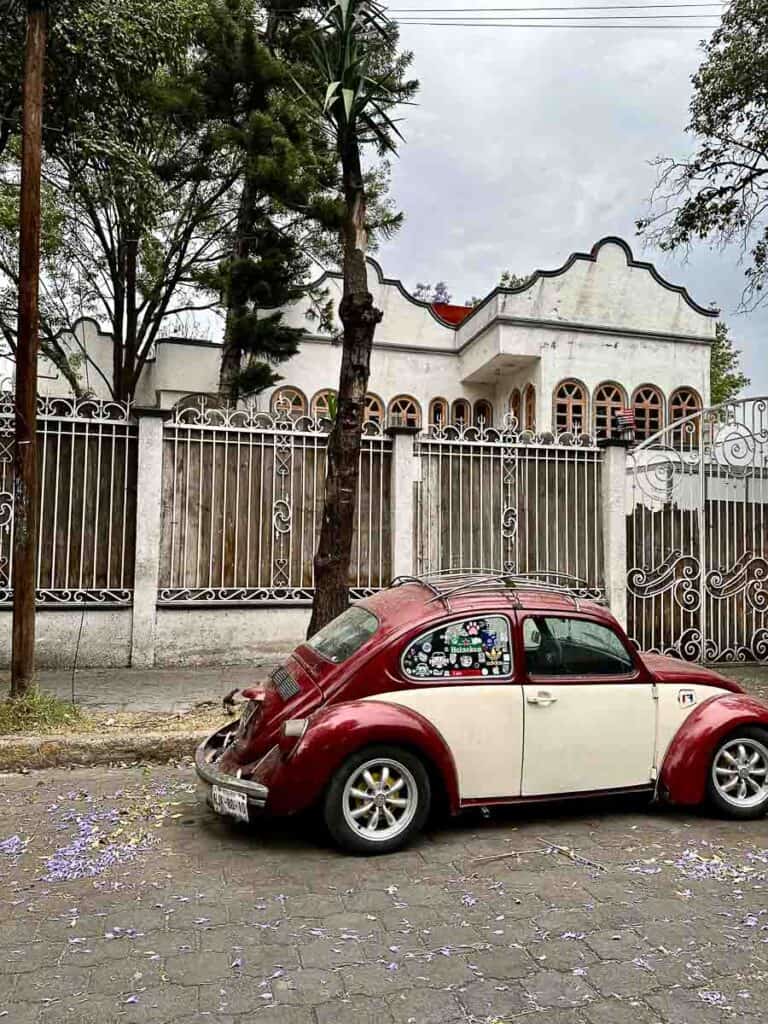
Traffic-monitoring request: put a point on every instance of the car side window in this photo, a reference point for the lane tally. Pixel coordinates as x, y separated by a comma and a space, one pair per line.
470, 648
563, 646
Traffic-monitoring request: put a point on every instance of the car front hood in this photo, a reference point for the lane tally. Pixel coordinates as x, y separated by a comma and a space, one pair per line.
674, 671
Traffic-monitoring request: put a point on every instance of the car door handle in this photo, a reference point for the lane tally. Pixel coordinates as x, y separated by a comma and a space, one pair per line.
543, 697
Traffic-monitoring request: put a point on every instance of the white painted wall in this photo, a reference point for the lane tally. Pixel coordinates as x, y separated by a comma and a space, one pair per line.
601, 317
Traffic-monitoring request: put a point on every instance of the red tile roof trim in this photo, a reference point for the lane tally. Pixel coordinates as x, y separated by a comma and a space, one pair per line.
451, 314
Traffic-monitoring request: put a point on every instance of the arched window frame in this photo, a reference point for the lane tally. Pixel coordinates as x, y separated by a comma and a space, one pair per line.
483, 410
683, 402
515, 408
529, 407
438, 412
570, 407
404, 411
461, 413
296, 398
374, 410
607, 399
319, 405
648, 409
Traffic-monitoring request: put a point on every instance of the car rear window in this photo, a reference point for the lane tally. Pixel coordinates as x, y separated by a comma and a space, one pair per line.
346, 634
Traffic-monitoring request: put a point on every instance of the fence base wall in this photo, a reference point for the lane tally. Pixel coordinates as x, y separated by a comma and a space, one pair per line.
183, 637
226, 636
105, 639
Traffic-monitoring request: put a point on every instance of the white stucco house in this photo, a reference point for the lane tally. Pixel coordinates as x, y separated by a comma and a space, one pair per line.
602, 332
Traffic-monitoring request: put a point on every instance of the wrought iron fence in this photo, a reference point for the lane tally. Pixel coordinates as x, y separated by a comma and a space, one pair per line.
87, 504
698, 536
510, 500
242, 506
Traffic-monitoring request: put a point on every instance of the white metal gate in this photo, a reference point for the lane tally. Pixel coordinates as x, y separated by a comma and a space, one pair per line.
698, 536
510, 500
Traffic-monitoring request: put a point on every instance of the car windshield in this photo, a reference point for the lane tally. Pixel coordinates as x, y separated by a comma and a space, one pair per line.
346, 634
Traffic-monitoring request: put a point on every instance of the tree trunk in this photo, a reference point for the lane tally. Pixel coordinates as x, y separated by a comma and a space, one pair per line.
231, 354
129, 381
359, 318
25, 453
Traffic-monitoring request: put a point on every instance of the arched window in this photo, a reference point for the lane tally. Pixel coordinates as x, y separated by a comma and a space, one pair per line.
682, 403
438, 412
529, 407
515, 407
483, 413
321, 404
374, 410
404, 411
570, 407
288, 401
648, 409
609, 399
461, 414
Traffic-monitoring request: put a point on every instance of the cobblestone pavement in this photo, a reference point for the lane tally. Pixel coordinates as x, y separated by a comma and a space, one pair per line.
590, 914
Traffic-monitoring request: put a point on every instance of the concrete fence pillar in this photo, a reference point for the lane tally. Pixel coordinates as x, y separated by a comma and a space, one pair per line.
149, 488
614, 502
405, 473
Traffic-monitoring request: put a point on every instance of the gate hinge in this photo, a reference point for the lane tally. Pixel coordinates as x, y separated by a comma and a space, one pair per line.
654, 774
655, 691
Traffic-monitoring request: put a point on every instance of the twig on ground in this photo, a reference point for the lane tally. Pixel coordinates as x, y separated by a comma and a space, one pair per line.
571, 854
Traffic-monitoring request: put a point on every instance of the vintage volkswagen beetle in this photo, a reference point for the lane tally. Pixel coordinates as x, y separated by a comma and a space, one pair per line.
478, 690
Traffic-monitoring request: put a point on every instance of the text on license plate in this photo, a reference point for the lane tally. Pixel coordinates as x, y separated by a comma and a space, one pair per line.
228, 801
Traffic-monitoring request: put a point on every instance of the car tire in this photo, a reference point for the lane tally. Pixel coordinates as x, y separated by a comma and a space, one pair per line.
737, 783
387, 779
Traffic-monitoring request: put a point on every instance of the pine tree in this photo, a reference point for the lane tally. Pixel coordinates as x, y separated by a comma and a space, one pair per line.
245, 85
726, 378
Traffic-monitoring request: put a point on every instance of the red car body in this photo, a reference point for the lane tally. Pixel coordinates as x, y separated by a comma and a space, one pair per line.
332, 709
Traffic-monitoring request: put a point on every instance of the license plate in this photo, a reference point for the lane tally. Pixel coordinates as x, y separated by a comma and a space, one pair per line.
230, 802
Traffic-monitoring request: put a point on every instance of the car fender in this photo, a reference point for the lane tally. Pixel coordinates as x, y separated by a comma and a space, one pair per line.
687, 762
339, 730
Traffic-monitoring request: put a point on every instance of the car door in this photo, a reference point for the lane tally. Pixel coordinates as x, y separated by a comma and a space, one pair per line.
589, 708
460, 676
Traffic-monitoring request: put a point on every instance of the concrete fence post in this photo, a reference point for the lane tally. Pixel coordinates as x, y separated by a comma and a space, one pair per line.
149, 488
614, 502
405, 473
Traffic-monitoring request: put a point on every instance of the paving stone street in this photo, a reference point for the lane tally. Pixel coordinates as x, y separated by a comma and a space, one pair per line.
122, 899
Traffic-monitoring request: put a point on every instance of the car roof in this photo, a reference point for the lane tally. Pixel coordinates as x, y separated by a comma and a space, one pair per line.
413, 602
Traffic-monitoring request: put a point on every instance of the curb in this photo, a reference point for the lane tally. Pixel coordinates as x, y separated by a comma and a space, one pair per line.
85, 749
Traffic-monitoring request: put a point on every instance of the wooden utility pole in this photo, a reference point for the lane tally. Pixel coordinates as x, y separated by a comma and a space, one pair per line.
25, 452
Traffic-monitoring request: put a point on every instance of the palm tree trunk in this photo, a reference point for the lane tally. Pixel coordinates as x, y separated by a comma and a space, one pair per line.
231, 354
359, 318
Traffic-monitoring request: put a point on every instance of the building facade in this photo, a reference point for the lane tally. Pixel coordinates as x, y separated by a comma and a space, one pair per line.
561, 353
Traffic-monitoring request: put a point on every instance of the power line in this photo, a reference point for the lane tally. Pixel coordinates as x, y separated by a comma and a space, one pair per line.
588, 7
541, 24
574, 17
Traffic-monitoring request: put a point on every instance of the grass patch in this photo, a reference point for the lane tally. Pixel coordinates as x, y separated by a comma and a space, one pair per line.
38, 712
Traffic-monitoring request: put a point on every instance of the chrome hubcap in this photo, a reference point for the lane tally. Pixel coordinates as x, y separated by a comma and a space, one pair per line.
740, 772
380, 799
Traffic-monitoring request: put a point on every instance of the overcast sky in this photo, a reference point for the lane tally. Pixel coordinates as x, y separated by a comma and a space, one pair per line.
527, 145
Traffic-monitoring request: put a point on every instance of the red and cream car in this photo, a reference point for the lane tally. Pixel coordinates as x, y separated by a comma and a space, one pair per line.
477, 690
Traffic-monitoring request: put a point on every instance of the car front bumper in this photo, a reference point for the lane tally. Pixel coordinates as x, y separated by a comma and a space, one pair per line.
211, 778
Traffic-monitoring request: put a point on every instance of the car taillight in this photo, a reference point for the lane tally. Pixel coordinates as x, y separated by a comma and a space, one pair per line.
251, 714
291, 734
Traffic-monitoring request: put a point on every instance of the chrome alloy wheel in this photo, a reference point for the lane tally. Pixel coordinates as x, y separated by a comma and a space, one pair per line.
380, 799
740, 772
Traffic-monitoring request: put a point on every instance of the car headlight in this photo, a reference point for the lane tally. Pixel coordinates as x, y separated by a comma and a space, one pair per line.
291, 734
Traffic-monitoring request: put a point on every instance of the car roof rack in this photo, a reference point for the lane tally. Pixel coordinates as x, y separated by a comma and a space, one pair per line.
444, 584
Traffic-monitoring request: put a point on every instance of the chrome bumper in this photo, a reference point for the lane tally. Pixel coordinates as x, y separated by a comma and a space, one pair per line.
255, 792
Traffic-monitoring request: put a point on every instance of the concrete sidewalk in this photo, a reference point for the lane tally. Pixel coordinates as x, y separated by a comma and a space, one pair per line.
126, 689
